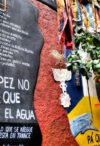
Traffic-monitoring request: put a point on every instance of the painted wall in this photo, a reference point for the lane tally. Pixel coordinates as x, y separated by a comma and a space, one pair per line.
85, 124
51, 116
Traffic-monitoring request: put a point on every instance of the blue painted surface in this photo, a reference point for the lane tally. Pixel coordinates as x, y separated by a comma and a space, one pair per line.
75, 93
81, 124
89, 14
61, 25
79, 14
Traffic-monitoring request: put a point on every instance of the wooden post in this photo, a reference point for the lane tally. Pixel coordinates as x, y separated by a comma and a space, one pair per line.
4, 5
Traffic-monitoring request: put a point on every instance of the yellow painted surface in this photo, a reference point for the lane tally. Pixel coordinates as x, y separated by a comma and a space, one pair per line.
90, 137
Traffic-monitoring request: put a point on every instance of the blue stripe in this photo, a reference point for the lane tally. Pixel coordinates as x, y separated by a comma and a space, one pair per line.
75, 93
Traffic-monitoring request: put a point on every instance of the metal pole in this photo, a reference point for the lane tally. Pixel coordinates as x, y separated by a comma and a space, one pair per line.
89, 99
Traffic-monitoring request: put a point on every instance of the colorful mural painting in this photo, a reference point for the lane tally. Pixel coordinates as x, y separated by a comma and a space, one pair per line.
84, 126
84, 110
65, 109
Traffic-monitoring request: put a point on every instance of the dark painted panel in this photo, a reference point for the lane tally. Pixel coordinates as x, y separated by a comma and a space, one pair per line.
20, 47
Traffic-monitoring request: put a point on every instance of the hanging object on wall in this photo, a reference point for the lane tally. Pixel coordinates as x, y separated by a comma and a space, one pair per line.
64, 97
65, 29
20, 46
96, 11
62, 75
85, 18
86, 14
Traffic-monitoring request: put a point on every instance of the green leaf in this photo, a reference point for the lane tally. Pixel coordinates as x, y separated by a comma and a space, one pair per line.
69, 66
74, 69
89, 64
89, 74
98, 48
70, 59
83, 71
97, 66
91, 47
84, 42
95, 61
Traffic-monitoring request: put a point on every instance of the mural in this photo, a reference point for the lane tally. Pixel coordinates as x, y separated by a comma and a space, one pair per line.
84, 125
83, 114
83, 117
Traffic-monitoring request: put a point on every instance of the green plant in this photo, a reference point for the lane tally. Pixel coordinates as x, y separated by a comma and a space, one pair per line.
98, 1
88, 45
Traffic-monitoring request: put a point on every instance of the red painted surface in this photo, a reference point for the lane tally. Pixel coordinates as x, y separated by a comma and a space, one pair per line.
51, 116
98, 104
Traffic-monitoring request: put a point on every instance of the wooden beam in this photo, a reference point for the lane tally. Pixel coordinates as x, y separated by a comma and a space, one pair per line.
4, 5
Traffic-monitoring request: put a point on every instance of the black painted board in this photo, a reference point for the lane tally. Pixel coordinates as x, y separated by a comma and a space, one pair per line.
50, 3
20, 134
20, 47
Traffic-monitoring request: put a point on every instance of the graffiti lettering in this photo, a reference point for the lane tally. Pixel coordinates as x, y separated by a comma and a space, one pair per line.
90, 138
